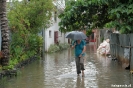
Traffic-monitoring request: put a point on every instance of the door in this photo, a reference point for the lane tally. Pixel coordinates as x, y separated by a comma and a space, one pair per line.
56, 37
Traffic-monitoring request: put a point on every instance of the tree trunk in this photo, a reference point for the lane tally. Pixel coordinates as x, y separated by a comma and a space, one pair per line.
4, 33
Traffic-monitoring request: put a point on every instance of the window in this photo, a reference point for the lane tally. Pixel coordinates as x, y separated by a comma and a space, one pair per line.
55, 16
50, 33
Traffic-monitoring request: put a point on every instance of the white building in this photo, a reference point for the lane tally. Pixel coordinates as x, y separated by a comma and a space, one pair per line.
52, 34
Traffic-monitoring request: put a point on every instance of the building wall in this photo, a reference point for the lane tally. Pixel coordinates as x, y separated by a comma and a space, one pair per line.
49, 38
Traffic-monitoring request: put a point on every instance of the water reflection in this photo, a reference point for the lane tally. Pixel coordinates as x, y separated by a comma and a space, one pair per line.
80, 82
58, 70
104, 60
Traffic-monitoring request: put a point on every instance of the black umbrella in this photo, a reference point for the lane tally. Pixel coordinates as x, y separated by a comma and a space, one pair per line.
76, 35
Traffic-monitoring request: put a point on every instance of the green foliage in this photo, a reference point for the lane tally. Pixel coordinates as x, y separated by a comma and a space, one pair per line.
88, 32
37, 13
97, 13
121, 14
81, 13
26, 20
8, 67
63, 46
22, 48
54, 47
34, 42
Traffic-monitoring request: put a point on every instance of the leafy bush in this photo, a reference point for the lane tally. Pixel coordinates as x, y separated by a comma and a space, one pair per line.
55, 47
22, 48
66, 45
25, 24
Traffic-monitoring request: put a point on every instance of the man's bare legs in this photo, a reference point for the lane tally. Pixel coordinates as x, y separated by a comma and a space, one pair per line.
82, 73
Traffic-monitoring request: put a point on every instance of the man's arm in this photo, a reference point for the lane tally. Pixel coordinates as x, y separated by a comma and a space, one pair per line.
73, 46
84, 48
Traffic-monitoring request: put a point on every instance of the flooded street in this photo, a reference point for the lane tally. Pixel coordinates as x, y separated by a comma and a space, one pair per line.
58, 70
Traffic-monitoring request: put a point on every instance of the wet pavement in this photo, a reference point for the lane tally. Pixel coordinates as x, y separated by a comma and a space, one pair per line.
58, 70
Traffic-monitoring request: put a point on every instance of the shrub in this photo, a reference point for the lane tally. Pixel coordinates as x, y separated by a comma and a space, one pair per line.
55, 47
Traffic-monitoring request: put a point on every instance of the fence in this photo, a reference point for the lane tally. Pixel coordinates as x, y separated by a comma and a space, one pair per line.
121, 47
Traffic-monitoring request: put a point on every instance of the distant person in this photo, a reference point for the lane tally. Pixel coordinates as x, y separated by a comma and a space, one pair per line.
80, 48
104, 48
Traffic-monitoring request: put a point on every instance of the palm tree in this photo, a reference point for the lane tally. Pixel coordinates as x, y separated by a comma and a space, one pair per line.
4, 33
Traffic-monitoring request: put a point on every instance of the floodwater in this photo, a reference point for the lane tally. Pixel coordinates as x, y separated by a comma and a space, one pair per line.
58, 71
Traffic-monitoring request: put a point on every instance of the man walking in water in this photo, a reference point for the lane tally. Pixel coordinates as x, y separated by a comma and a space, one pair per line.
80, 48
